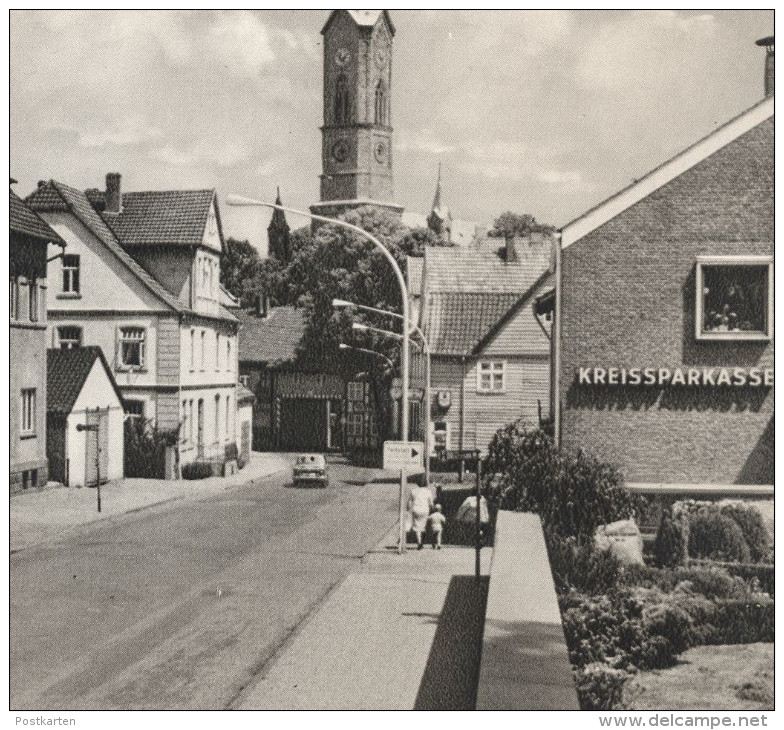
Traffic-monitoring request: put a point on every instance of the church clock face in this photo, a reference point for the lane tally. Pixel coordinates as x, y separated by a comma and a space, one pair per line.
342, 56
340, 150
380, 151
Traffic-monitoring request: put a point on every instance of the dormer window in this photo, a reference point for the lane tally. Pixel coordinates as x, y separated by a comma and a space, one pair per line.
342, 101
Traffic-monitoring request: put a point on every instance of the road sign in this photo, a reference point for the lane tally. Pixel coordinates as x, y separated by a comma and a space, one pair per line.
408, 455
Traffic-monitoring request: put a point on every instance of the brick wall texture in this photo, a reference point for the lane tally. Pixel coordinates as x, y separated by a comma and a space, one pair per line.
629, 301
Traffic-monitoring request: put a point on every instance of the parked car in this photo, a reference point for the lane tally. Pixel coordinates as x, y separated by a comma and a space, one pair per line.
310, 469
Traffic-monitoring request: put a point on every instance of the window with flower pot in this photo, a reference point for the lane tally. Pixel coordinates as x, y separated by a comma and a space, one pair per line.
69, 337
734, 298
131, 348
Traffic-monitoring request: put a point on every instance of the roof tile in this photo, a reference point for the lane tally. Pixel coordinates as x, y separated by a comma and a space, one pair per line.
272, 339
22, 219
66, 374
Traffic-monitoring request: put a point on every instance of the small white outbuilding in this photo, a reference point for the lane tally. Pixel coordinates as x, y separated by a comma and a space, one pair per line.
81, 391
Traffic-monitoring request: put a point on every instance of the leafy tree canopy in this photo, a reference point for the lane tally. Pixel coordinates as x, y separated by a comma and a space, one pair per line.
517, 224
239, 264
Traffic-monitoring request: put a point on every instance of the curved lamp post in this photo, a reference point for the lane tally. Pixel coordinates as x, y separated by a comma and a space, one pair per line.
344, 346
240, 201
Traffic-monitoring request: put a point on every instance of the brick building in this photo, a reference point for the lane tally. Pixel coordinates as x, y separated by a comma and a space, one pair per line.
664, 334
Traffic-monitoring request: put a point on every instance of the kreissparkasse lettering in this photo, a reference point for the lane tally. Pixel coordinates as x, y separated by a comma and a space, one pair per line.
737, 377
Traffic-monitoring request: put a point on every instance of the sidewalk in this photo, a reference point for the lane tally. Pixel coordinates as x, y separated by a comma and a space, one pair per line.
41, 516
402, 632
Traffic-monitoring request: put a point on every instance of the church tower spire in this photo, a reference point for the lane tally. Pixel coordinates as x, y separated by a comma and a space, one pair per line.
440, 219
278, 234
356, 146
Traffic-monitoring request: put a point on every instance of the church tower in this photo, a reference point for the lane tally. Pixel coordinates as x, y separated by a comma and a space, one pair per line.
356, 138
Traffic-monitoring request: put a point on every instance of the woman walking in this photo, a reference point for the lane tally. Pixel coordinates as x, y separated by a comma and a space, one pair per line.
419, 504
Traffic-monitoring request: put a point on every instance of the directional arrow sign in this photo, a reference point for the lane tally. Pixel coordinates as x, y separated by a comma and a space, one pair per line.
406, 455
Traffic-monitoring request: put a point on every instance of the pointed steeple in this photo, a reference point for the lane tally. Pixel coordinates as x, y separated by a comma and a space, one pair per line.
278, 234
440, 220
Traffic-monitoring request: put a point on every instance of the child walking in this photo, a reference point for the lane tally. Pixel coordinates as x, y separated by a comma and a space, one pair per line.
436, 523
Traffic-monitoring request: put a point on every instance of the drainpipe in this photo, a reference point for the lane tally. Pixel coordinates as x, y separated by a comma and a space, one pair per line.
556, 387
462, 412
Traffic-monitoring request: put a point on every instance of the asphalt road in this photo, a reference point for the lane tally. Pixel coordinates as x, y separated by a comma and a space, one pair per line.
181, 606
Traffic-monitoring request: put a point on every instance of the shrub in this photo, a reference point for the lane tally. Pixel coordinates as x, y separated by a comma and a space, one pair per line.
742, 622
670, 548
197, 470
600, 686
145, 449
577, 565
230, 452
749, 519
673, 623
713, 582
714, 536
761, 576
572, 493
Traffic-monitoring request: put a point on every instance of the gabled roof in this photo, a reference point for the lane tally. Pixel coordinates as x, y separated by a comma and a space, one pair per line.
456, 322
67, 372
57, 197
272, 339
363, 18
25, 221
160, 217
470, 293
675, 166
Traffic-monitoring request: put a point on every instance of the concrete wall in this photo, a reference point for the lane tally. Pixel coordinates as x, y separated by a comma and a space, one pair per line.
525, 662
629, 301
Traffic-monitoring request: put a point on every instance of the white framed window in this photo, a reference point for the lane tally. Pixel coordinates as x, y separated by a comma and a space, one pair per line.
245, 380
734, 298
490, 376
203, 353
218, 438
71, 278
27, 420
440, 437
134, 409
191, 422
185, 427
69, 337
228, 356
131, 348
32, 299
217, 352
193, 350
228, 417
13, 306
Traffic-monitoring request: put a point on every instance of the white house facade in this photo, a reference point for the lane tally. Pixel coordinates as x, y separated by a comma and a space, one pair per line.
141, 281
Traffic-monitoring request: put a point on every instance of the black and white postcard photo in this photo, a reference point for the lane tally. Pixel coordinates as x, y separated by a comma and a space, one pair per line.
391, 360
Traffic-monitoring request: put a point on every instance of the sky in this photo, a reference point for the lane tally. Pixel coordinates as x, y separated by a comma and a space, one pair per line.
541, 112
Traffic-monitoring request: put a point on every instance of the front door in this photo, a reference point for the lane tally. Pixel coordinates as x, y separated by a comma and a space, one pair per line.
97, 447
200, 430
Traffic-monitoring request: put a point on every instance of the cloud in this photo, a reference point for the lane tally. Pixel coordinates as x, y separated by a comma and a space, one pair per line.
122, 131
225, 153
240, 42
423, 140
644, 51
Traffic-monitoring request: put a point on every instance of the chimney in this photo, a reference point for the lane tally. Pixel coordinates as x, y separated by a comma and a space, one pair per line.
770, 64
113, 193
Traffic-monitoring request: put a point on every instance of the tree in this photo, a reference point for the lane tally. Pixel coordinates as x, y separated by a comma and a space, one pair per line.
239, 264
416, 239
510, 224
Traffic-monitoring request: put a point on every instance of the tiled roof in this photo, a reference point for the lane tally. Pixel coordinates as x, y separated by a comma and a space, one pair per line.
23, 220
66, 374
272, 339
484, 268
455, 322
470, 292
161, 217
55, 196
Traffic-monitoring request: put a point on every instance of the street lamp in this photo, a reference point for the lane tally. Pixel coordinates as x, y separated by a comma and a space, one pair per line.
238, 200
344, 346
341, 303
